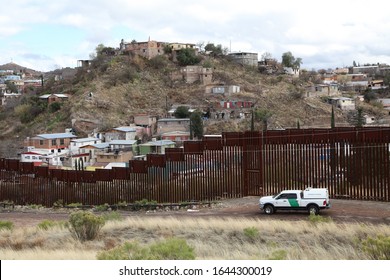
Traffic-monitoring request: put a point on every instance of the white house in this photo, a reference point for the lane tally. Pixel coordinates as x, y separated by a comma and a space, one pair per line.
75, 144
344, 103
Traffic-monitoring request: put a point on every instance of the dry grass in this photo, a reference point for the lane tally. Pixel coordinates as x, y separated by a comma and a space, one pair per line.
212, 238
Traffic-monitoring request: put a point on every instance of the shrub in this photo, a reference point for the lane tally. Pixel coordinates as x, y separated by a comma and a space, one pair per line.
315, 219
6, 225
251, 232
102, 208
377, 248
46, 224
112, 216
74, 205
169, 249
278, 255
127, 251
172, 249
85, 225
54, 107
158, 62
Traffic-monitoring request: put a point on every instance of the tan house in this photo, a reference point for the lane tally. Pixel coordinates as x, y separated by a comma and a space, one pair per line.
107, 157
149, 122
322, 90
181, 46
194, 73
147, 49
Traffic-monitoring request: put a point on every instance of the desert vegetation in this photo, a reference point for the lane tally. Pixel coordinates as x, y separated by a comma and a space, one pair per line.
110, 236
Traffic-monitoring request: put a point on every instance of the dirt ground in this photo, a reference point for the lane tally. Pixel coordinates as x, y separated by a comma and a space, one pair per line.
340, 211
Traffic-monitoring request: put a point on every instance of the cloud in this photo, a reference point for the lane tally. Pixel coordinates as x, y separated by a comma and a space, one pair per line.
326, 34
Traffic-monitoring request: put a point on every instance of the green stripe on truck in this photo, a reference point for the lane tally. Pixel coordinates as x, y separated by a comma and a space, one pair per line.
293, 202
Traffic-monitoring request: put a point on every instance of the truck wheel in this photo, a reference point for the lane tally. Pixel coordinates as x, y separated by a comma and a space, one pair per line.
313, 209
268, 209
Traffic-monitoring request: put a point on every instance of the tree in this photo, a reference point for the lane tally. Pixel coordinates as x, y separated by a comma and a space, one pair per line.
98, 51
200, 45
263, 115
288, 60
332, 120
358, 118
196, 124
181, 112
187, 57
216, 50
266, 56
11, 87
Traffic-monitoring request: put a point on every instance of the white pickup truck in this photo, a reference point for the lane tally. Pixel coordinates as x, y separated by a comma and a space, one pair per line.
310, 199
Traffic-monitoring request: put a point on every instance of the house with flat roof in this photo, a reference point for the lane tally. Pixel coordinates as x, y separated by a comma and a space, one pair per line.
155, 147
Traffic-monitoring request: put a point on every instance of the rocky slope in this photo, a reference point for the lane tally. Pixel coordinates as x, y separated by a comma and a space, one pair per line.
115, 88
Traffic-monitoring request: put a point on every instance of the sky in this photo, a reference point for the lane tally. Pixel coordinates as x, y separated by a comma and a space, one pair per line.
45, 35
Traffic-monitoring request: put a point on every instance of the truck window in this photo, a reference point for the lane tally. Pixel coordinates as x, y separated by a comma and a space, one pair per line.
292, 195
282, 196
302, 194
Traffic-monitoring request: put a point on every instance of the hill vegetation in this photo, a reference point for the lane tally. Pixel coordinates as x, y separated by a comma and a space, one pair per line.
203, 239
116, 87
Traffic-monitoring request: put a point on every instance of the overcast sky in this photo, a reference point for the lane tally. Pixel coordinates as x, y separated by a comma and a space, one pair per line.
46, 34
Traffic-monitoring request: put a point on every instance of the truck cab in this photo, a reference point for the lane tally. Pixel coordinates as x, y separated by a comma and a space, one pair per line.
311, 200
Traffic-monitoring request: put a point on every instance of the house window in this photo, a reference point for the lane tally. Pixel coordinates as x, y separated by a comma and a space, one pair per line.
54, 142
27, 157
40, 142
34, 157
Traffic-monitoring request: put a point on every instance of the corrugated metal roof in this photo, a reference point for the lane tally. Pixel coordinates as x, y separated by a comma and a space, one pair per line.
98, 146
56, 135
80, 140
60, 95
173, 120
122, 142
159, 143
126, 129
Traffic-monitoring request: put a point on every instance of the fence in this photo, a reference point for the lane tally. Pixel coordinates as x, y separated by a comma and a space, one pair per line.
352, 163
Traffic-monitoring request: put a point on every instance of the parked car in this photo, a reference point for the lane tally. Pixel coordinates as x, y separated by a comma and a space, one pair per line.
310, 199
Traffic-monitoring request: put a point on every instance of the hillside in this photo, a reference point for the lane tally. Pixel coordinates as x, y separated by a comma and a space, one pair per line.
115, 88
18, 69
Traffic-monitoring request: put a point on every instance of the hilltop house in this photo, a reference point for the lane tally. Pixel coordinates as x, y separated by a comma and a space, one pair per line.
245, 58
194, 73
225, 90
147, 49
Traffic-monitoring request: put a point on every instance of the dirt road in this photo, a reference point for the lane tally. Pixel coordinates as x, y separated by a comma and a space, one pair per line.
341, 211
